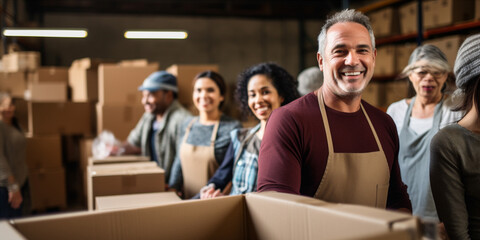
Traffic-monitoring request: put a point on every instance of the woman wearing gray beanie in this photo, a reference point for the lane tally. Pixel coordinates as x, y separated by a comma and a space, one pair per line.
455, 152
418, 119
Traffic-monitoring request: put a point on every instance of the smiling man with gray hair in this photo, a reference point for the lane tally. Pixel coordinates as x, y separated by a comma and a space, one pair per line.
330, 144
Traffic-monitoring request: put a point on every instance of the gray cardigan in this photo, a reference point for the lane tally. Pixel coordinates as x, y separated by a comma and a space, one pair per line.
12, 155
166, 138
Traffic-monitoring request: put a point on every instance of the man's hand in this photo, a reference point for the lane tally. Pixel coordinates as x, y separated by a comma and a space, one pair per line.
15, 199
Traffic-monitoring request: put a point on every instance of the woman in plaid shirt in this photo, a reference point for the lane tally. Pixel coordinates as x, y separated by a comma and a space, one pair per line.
260, 90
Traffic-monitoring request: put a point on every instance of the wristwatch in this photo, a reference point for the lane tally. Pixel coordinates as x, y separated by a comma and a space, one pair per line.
13, 187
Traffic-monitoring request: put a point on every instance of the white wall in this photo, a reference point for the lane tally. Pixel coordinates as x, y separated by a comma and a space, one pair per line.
232, 43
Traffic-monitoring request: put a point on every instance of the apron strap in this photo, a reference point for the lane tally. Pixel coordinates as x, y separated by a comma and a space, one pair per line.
214, 133
187, 131
325, 121
327, 126
437, 115
380, 148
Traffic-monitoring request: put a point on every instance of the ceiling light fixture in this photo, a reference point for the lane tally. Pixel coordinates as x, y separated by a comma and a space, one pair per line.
46, 32
156, 34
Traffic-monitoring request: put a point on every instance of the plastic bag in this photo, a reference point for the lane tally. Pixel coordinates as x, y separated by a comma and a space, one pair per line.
105, 144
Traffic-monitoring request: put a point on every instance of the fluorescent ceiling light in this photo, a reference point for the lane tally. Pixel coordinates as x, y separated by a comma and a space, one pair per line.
37, 32
155, 34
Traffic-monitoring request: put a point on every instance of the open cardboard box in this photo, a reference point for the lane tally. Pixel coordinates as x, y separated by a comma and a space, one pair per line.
267, 215
135, 200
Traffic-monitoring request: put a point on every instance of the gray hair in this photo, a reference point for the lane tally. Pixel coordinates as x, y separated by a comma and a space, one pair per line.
432, 54
347, 15
309, 80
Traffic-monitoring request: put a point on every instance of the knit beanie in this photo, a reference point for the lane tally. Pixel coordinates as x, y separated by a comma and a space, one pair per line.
467, 64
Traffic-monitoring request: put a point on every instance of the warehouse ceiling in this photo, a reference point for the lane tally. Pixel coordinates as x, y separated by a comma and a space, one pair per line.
271, 9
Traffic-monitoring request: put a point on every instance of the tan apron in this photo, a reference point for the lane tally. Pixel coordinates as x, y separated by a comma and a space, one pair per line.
198, 162
355, 178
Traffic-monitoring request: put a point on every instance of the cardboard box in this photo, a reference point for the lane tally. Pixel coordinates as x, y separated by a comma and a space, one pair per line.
449, 45
402, 54
83, 79
118, 85
60, 118
47, 92
14, 83
395, 91
49, 74
47, 188
21, 113
88, 160
408, 14
118, 119
117, 159
185, 75
21, 61
123, 178
439, 13
373, 93
44, 152
251, 216
385, 62
385, 22
477, 9
135, 200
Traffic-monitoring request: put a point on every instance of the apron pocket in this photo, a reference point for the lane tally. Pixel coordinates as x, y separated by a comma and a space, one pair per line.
382, 194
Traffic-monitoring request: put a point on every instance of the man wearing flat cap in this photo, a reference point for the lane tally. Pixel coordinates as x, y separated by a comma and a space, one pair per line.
156, 133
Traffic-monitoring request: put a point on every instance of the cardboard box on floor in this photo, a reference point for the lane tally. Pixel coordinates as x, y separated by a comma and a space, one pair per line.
185, 74
14, 83
49, 74
119, 119
47, 188
135, 200
47, 92
48, 118
252, 216
123, 178
44, 152
118, 84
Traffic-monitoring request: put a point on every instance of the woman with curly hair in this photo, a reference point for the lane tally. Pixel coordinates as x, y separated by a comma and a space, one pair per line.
260, 90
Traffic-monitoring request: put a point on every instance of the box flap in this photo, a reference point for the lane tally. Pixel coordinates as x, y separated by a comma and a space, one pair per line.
219, 218
118, 159
9, 232
135, 200
286, 216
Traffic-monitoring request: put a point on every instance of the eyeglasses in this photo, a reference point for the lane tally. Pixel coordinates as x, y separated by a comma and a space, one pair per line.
422, 72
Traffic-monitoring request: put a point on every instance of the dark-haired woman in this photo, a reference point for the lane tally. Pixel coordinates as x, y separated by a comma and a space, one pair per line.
260, 90
205, 137
455, 151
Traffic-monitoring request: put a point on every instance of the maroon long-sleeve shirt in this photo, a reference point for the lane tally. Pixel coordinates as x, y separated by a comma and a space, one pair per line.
294, 149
